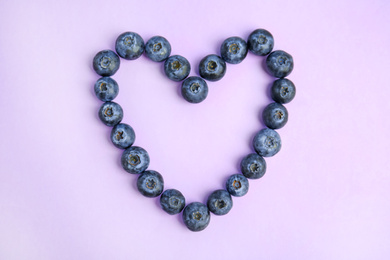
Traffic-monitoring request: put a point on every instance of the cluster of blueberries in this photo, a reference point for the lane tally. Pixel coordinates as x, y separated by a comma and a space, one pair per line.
135, 160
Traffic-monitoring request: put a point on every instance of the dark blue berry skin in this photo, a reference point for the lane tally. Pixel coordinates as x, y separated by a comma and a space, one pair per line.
196, 216
212, 67
150, 184
253, 166
157, 48
267, 142
237, 185
177, 68
260, 42
194, 89
129, 45
172, 201
106, 89
283, 91
220, 202
106, 63
275, 116
110, 113
122, 136
279, 64
234, 50
135, 160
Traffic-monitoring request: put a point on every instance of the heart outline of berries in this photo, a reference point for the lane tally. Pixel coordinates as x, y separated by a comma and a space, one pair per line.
135, 159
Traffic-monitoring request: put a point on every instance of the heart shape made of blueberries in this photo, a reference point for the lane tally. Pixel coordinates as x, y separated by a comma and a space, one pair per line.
135, 159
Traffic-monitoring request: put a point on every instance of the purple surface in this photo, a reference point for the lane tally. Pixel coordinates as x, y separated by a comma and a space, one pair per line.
64, 195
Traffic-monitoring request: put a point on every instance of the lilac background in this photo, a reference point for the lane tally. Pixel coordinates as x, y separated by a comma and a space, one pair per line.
64, 195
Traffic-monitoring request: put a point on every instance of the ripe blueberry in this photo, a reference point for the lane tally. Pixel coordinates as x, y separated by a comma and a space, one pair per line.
157, 48
194, 89
260, 42
283, 90
253, 166
267, 142
275, 116
122, 136
172, 201
150, 184
135, 160
234, 50
129, 45
279, 64
106, 89
220, 202
177, 68
110, 113
237, 185
106, 63
196, 216
212, 67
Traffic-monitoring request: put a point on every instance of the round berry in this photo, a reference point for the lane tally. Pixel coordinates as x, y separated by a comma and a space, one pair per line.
196, 216
110, 113
267, 142
275, 116
212, 67
253, 166
172, 201
106, 63
237, 185
122, 136
135, 160
260, 42
283, 90
279, 64
106, 89
177, 68
220, 202
194, 89
234, 50
129, 45
150, 184
157, 48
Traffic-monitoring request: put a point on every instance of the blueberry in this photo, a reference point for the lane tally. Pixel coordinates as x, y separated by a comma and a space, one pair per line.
129, 45
212, 67
135, 159
110, 113
194, 89
106, 63
106, 89
275, 116
122, 136
267, 142
220, 202
283, 91
260, 42
234, 50
150, 184
279, 64
253, 166
237, 185
196, 216
157, 48
177, 68
172, 201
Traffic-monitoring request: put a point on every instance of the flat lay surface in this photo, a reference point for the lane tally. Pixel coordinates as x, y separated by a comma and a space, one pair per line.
65, 195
